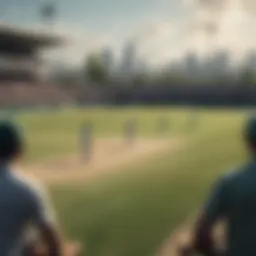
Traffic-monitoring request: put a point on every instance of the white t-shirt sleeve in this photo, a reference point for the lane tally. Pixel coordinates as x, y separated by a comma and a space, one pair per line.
41, 207
43, 211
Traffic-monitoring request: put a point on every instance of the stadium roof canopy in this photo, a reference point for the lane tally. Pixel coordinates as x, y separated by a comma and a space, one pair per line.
15, 40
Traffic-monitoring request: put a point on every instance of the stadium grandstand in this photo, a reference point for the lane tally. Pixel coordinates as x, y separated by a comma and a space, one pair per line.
21, 83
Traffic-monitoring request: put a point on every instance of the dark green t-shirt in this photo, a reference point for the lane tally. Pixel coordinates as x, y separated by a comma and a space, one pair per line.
234, 198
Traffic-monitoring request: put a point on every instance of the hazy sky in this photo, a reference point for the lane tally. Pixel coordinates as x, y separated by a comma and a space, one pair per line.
99, 16
162, 29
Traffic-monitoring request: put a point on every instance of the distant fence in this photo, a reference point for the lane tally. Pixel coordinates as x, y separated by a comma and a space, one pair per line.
208, 95
215, 94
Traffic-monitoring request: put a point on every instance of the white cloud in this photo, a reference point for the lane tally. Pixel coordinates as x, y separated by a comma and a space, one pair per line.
210, 25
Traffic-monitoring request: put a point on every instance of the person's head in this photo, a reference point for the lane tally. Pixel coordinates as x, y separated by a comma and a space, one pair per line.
11, 142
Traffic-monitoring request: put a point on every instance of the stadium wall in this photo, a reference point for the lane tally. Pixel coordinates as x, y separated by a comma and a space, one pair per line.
210, 95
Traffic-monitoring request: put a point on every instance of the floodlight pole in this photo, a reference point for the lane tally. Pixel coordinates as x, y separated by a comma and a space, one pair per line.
48, 13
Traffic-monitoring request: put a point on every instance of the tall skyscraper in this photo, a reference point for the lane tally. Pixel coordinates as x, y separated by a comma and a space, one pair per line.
191, 65
108, 59
128, 63
250, 60
220, 64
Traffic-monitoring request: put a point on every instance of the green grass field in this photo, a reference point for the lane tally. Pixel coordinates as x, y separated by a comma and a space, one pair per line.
130, 213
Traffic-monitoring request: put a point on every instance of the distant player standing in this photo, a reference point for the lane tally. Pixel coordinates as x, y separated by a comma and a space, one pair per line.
22, 205
234, 200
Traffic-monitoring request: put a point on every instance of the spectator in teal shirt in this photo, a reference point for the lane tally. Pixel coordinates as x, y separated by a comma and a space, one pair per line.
233, 199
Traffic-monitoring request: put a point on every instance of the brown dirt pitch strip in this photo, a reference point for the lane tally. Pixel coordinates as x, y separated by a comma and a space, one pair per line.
108, 155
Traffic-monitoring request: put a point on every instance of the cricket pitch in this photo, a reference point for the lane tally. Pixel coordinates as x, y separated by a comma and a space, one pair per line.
108, 155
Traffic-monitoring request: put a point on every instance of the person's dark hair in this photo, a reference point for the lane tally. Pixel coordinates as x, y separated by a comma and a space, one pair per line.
11, 141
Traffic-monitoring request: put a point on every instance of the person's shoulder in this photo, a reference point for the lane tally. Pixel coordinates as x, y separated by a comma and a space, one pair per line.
233, 174
28, 184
